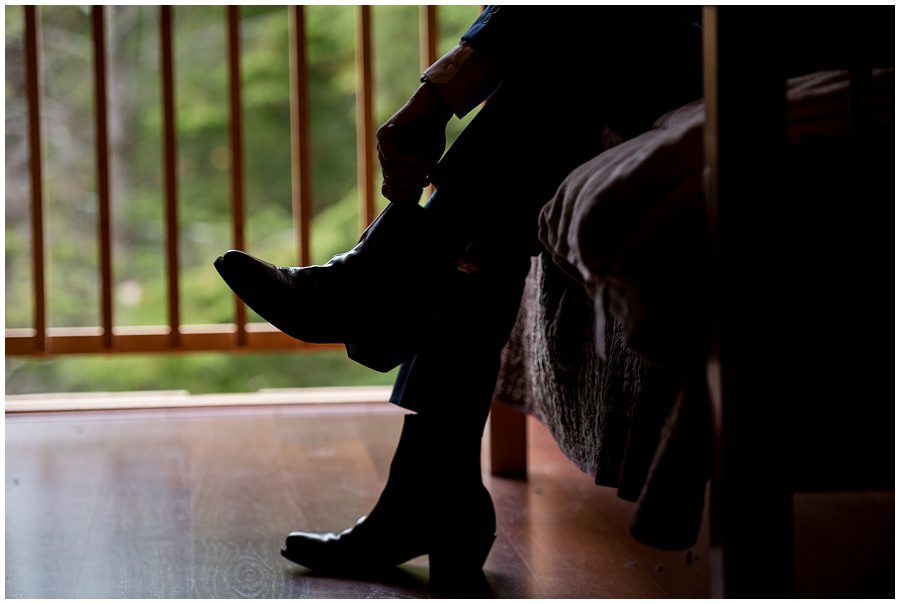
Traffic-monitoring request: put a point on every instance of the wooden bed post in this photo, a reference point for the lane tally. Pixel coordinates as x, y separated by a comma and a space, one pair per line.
751, 516
508, 442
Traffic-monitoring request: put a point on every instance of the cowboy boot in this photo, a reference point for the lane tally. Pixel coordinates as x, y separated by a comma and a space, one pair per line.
434, 503
379, 299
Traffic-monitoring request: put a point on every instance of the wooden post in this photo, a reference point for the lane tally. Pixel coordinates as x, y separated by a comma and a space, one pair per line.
237, 153
170, 172
102, 153
35, 165
365, 134
301, 185
428, 35
508, 442
751, 500
428, 38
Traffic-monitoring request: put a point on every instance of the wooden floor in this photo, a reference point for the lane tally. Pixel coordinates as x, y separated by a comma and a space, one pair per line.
196, 503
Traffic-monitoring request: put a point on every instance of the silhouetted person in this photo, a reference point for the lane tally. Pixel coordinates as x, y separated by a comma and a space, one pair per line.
437, 289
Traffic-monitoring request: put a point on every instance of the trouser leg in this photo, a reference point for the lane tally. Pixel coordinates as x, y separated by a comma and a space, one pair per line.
489, 189
452, 377
490, 186
507, 164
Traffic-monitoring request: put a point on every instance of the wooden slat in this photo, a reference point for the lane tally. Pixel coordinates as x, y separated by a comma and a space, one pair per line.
170, 170
32, 84
428, 35
101, 143
428, 39
509, 441
22, 342
301, 184
155, 338
237, 152
365, 135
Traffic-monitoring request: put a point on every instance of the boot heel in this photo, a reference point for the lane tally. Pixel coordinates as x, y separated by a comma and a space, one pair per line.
459, 562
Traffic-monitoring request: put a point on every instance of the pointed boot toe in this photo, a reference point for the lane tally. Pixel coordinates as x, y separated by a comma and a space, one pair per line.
293, 299
362, 548
315, 551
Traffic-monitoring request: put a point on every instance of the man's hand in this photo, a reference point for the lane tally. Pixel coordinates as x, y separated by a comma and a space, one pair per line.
410, 143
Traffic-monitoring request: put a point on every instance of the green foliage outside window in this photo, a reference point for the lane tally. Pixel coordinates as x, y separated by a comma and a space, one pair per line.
202, 116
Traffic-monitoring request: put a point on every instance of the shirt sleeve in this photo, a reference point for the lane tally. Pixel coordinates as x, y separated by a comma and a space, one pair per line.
473, 70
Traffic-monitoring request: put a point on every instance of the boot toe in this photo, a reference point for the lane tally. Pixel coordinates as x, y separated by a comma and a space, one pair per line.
246, 277
242, 265
316, 551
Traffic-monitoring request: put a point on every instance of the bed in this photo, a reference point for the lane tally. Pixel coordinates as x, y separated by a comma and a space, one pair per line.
610, 349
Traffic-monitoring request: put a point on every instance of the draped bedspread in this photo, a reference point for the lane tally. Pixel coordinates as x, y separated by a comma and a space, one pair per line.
609, 346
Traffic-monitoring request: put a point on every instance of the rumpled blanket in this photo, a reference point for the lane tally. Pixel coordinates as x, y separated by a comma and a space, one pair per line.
622, 222
610, 342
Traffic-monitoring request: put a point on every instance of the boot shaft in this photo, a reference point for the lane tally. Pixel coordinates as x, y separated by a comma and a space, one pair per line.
434, 453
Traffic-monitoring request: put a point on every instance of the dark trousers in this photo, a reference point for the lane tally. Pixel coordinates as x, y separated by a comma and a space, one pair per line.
548, 116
